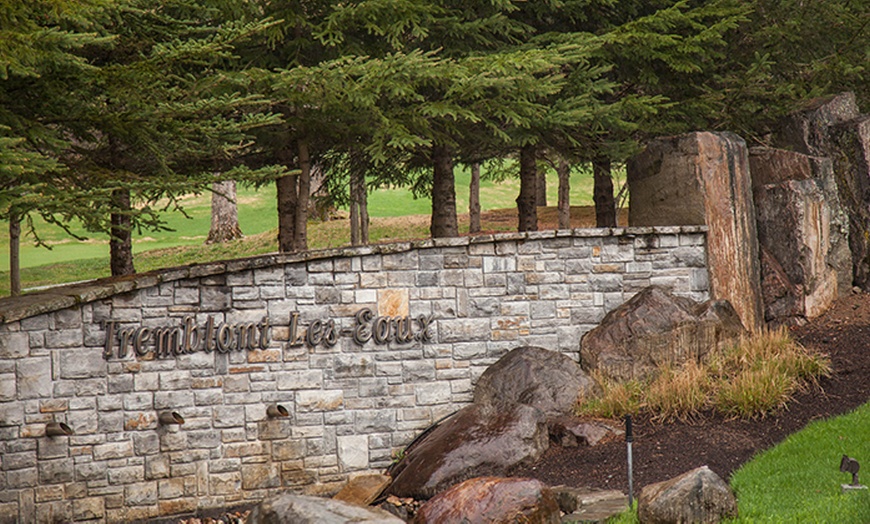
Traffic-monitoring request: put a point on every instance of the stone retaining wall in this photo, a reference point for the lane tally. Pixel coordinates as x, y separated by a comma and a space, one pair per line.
363, 347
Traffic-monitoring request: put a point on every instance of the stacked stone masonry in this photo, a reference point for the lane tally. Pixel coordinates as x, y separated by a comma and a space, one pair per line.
350, 406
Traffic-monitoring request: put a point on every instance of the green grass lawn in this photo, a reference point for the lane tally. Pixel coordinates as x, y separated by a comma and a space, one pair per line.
258, 214
799, 480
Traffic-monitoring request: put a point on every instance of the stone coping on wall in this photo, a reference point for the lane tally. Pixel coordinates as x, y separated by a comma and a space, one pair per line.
64, 296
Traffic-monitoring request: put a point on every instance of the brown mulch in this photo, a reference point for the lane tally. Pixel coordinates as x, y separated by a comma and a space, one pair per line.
665, 450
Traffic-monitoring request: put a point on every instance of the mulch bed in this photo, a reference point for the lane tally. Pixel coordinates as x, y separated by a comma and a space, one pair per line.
665, 450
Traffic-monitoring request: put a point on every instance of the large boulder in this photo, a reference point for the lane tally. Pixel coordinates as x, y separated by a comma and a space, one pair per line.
699, 496
290, 508
802, 232
655, 328
479, 440
492, 500
534, 376
703, 179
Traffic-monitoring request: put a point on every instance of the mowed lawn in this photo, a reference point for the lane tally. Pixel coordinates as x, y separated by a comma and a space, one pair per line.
69, 259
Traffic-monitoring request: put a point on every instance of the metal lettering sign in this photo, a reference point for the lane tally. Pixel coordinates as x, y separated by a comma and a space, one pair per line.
223, 337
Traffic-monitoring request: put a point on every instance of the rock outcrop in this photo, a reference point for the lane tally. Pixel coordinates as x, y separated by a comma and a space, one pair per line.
699, 496
492, 500
703, 179
290, 508
655, 328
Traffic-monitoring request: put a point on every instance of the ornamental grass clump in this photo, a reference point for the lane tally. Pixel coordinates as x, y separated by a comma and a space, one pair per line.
679, 393
617, 398
754, 377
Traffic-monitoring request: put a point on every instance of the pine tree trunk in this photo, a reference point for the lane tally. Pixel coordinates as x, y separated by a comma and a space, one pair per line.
563, 170
121, 232
300, 240
363, 212
286, 186
14, 254
357, 204
444, 223
527, 210
474, 199
224, 213
541, 189
602, 193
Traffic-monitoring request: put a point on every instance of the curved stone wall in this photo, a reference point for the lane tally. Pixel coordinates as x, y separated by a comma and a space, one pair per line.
354, 351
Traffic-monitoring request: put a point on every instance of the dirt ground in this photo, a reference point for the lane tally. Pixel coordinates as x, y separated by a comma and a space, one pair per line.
662, 451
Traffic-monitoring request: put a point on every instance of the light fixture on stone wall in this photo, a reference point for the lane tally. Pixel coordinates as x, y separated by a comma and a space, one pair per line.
277, 411
170, 418
58, 429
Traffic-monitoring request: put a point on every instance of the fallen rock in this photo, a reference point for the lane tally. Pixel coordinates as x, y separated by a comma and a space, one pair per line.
363, 490
290, 508
654, 328
547, 380
492, 500
569, 432
478, 440
699, 495
574, 500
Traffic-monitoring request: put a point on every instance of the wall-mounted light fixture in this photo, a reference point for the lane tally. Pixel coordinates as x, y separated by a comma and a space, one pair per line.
170, 418
277, 411
58, 429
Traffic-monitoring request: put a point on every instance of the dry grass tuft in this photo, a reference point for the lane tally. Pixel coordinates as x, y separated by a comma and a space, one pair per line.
754, 377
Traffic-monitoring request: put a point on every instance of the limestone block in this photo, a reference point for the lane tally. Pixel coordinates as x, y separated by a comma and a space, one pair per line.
353, 452
34, 378
78, 363
14, 345
8, 387
703, 179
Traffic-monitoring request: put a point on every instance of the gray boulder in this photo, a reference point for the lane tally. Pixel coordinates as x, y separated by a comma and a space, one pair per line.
290, 508
536, 377
654, 328
699, 496
479, 440
492, 500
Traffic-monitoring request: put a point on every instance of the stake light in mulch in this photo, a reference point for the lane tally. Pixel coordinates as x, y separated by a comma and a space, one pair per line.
629, 438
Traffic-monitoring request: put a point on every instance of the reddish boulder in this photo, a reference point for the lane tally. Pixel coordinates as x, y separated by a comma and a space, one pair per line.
492, 500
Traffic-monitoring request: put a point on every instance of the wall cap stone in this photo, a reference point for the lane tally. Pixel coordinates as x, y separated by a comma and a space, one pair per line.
56, 298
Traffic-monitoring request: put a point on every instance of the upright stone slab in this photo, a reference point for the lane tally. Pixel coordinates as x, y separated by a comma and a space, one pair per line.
850, 152
833, 127
703, 179
807, 130
803, 234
